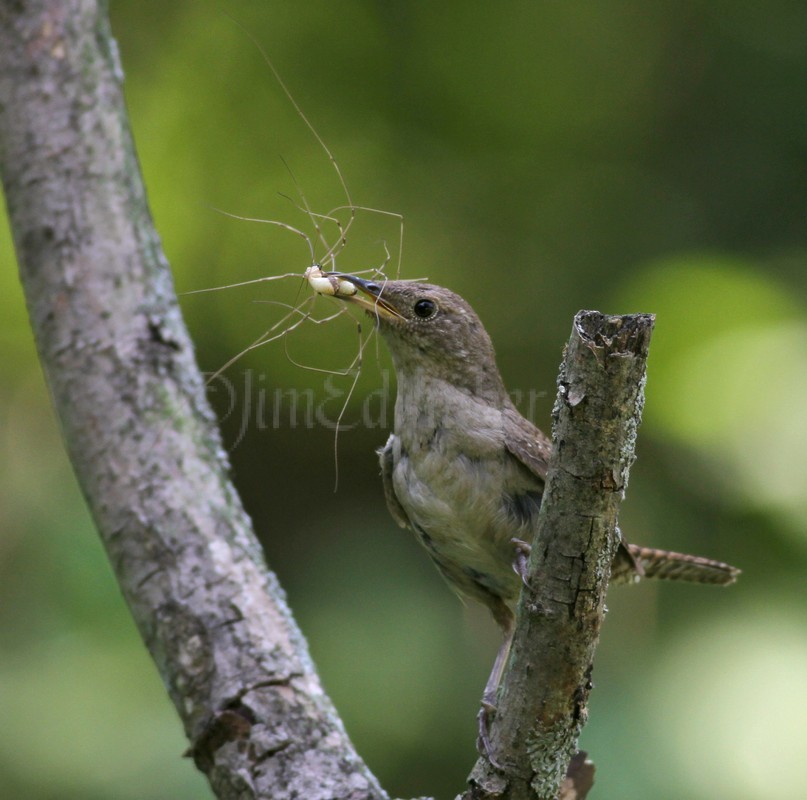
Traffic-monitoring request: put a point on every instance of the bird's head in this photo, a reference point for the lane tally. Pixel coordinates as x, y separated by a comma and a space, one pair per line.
431, 331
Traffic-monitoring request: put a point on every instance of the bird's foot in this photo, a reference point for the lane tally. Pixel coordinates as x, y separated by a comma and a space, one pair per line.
485, 717
523, 550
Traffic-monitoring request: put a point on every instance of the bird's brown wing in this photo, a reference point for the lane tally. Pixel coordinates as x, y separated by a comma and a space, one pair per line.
527, 443
393, 504
532, 448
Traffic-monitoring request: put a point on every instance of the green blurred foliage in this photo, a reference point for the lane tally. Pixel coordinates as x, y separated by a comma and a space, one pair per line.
546, 157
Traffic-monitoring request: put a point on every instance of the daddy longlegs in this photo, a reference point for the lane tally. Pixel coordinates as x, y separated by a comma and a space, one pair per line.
319, 275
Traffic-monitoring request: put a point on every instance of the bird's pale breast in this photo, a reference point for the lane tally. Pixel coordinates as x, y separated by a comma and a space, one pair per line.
463, 494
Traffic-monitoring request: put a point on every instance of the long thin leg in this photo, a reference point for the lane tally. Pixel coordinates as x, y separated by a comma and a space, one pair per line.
506, 621
504, 617
488, 708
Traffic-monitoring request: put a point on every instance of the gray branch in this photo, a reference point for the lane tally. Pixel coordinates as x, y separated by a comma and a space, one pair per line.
139, 432
542, 703
144, 446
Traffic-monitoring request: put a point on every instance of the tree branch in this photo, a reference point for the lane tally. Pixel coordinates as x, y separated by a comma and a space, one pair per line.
542, 701
139, 432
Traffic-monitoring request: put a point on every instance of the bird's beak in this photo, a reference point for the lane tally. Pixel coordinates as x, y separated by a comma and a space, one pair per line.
370, 296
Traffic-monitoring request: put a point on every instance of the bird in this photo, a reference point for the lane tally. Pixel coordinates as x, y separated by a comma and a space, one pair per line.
462, 468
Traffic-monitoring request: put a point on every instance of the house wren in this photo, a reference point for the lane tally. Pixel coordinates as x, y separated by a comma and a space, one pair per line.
463, 469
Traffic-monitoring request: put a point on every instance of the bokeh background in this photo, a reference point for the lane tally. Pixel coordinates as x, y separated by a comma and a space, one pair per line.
546, 157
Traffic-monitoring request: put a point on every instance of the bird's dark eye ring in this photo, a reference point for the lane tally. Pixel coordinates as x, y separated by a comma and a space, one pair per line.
425, 308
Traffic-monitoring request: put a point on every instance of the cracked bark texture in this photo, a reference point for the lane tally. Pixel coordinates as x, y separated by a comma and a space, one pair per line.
140, 435
544, 694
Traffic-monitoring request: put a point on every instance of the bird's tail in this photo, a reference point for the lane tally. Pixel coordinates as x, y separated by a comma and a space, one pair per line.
633, 562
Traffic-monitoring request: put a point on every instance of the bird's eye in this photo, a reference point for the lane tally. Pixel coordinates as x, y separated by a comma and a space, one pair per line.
373, 287
425, 308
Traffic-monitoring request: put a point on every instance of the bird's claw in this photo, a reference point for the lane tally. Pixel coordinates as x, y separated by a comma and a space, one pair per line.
523, 550
483, 745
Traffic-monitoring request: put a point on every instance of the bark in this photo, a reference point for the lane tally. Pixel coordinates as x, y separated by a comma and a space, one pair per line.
140, 435
542, 702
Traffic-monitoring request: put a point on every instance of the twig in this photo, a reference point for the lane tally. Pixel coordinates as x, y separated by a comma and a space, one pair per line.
542, 704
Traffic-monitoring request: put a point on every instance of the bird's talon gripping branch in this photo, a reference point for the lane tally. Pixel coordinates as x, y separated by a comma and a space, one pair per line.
328, 283
523, 551
483, 745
